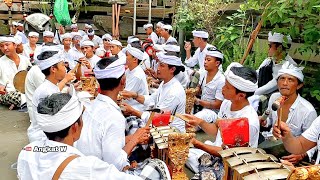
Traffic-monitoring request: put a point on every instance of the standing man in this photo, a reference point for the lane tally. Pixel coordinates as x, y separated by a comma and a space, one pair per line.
20, 32
159, 28
200, 39
10, 64
211, 87
51, 64
166, 34
75, 51
66, 43
297, 112
277, 56
31, 47
149, 31
97, 41
170, 94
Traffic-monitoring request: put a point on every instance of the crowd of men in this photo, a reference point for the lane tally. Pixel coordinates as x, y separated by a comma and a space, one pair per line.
107, 138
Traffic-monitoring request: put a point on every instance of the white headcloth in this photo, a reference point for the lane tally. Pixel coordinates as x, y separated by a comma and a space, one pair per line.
48, 34
160, 24
214, 53
171, 47
132, 39
86, 43
68, 115
201, 34
167, 27
237, 81
46, 63
147, 26
73, 26
169, 59
275, 37
114, 70
292, 70
33, 34
116, 42
107, 36
134, 52
7, 39
91, 33
66, 35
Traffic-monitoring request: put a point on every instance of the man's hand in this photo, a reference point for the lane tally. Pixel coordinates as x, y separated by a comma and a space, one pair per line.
281, 132
70, 76
187, 46
293, 158
126, 109
142, 135
287, 163
85, 62
193, 120
128, 94
262, 121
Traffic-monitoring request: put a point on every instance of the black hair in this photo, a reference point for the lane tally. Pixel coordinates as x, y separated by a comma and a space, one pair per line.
136, 44
172, 43
247, 74
51, 105
45, 55
108, 83
172, 53
178, 69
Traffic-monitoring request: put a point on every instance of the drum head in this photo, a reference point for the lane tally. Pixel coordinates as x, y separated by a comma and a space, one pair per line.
19, 81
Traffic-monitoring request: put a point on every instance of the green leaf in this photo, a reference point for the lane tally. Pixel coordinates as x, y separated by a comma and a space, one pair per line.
299, 2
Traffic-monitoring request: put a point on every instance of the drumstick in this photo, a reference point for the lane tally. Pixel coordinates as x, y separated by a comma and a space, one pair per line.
280, 117
181, 117
150, 119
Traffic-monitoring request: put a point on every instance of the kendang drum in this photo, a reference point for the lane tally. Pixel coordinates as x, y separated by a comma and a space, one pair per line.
252, 164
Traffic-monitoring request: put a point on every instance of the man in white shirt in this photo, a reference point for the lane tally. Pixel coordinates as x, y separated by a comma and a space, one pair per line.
211, 86
303, 143
31, 47
166, 34
51, 64
66, 51
103, 133
60, 118
90, 59
200, 39
159, 27
170, 94
104, 51
10, 64
97, 41
297, 112
48, 37
20, 32
115, 48
241, 82
149, 31
277, 56
75, 51
136, 80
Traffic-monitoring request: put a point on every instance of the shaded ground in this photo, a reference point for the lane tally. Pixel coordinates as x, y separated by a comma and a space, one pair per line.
13, 136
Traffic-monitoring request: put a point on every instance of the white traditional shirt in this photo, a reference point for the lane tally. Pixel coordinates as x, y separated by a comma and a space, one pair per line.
271, 86
301, 114
154, 37
34, 79
161, 40
183, 78
146, 61
103, 132
198, 58
93, 61
27, 50
23, 37
44, 90
8, 70
170, 40
247, 112
97, 41
42, 166
313, 134
74, 54
169, 96
136, 81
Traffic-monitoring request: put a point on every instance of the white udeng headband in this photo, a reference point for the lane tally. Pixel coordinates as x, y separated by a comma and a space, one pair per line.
238, 82
292, 70
201, 34
44, 64
114, 70
168, 59
134, 52
68, 115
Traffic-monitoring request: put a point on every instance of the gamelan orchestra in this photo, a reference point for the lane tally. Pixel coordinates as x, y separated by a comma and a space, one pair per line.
135, 111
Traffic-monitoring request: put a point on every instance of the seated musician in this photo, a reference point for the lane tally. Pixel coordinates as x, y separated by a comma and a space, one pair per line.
103, 133
211, 86
169, 96
297, 112
240, 83
10, 64
299, 144
60, 118
51, 64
